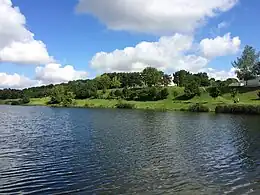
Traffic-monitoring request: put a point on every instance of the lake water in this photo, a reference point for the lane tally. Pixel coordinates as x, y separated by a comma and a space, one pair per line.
101, 151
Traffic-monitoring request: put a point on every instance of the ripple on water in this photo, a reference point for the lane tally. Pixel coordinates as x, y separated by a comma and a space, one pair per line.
85, 151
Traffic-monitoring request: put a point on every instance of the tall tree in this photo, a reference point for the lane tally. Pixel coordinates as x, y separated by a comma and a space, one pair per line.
247, 63
179, 77
166, 80
151, 76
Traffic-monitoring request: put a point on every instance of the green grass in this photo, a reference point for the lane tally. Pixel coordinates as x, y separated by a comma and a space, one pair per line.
246, 96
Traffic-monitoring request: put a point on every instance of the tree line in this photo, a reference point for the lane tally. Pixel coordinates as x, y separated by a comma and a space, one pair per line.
150, 84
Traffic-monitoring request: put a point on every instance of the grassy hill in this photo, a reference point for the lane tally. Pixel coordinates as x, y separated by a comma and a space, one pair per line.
246, 96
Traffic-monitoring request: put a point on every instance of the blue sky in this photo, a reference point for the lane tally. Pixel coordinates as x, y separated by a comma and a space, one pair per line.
69, 36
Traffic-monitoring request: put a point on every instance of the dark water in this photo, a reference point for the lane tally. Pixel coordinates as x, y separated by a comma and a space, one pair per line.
85, 151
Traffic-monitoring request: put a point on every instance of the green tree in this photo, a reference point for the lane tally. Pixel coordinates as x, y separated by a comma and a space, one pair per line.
192, 89
151, 76
166, 80
25, 99
57, 94
214, 92
115, 83
247, 63
203, 79
234, 92
103, 82
179, 77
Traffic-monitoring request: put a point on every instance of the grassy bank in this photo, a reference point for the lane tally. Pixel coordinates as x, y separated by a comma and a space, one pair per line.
173, 102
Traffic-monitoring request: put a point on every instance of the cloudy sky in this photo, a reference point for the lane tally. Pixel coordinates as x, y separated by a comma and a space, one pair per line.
46, 41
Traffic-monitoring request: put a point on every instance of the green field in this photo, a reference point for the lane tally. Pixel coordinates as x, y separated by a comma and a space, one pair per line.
246, 96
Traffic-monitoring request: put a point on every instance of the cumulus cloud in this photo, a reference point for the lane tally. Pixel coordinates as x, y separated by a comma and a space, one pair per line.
220, 74
154, 16
16, 81
55, 73
17, 44
49, 74
220, 46
167, 54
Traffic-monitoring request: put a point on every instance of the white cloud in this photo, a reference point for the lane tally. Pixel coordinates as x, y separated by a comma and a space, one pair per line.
16, 81
222, 25
17, 44
220, 74
49, 74
168, 54
220, 46
55, 73
154, 16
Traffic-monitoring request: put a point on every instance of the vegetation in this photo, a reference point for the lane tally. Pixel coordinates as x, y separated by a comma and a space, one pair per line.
214, 92
150, 89
238, 109
198, 108
247, 65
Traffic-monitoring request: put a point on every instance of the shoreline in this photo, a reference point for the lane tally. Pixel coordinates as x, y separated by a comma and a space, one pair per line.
160, 106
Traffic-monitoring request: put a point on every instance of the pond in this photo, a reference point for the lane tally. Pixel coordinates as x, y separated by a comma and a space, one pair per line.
108, 151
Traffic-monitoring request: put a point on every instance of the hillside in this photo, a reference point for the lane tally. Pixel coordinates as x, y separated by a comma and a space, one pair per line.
246, 96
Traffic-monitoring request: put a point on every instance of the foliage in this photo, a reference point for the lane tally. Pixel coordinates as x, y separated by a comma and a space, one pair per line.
238, 109
247, 64
214, 92
123, 105
175, 93
61, 96
192, 89
103, 82
179, 77
115, 83
234, 92
151, 76
198, 108
25, 100
164, 94
166, 80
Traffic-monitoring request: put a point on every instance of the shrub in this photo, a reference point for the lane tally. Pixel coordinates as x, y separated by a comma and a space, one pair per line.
214, 92
234, 92
123, 105
198, 108
238, 109
25, 100
192, 89
175, 93
164, 94
118, 93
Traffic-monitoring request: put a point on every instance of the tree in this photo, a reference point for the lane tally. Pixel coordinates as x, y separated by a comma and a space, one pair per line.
203, 79
151, 76
179, 77
25, 99
234, 93
60, 95
214, 92
115, 83
192, 89
166, 80
247, 64
103, 82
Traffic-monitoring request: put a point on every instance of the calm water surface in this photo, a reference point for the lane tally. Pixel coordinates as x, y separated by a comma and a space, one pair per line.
86, 151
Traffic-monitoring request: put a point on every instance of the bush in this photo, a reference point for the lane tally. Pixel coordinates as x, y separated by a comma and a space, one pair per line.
175, 93
192, 89
122, 105
118, 93
214, 92
234, 92
164, 94
238, 109
198, 108
25, 100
